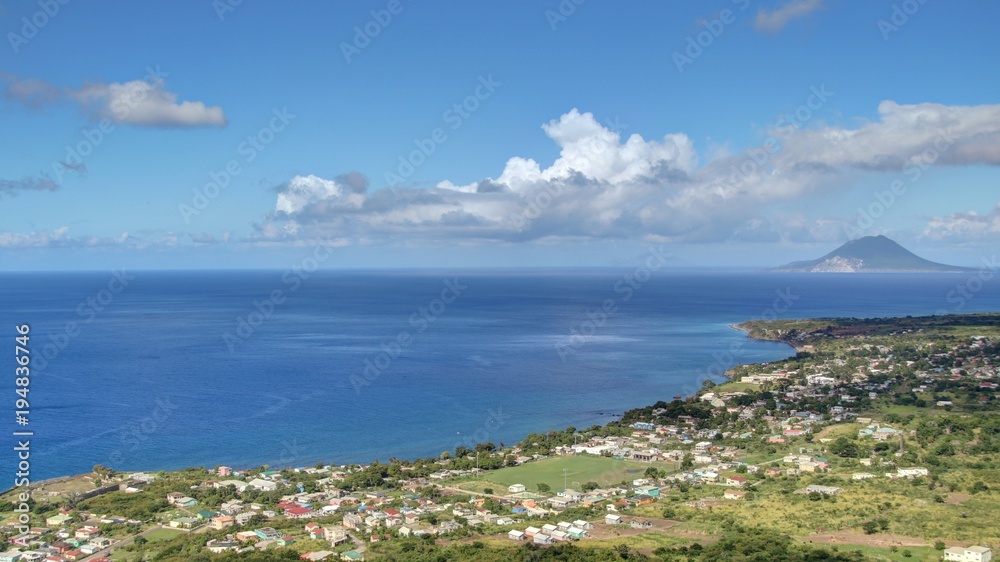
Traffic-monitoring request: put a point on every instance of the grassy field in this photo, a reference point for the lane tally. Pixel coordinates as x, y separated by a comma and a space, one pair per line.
735, 386
163, 535
581, 469
916, 553
157, 536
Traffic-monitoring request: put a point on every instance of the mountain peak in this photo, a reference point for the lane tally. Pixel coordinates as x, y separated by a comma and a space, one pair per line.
870, 254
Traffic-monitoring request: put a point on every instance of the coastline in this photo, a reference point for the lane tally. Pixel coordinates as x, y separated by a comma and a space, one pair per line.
740, 327
616, 415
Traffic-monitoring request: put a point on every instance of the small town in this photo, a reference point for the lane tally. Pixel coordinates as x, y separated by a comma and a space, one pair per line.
878, 440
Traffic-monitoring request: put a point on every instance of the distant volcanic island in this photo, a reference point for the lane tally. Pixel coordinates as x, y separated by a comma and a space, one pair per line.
871, 254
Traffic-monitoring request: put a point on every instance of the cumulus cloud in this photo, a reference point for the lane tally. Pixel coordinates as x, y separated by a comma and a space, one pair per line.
965, 226
138, 103
776, 20
145, 104
311, 191
905, 135
604, 185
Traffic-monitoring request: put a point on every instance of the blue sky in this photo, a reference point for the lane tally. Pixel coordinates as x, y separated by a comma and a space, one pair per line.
584, 132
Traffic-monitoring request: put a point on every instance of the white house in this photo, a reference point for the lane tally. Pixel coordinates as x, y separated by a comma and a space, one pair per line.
516, 535
970, 554
828, 490
262, 485
516, 488
238, 484
612, 519
911, 472
539, 538
220, 546
561, 536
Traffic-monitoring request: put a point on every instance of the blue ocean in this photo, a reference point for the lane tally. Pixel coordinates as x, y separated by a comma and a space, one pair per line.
151, 370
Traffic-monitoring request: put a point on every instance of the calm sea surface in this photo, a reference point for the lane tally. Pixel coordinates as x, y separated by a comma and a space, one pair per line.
244, 368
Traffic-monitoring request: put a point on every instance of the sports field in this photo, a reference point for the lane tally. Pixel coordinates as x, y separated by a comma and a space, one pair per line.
580, 470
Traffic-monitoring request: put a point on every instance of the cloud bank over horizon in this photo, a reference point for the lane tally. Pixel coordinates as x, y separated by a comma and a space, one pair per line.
606, 186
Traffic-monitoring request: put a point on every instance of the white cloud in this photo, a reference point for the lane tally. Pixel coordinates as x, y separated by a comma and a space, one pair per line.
139, 103
604, 186
145, 103
904, 135
590, 149
59, 237
962, 227
776, 20
301, 192
36, 239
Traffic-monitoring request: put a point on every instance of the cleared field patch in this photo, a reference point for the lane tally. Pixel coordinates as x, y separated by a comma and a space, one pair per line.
879, 547
163, 535
580, 469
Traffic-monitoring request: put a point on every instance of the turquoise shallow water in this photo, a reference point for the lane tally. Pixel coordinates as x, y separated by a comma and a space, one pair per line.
149, 379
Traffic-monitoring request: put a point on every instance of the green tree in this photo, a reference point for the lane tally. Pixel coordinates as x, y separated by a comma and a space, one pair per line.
688, 461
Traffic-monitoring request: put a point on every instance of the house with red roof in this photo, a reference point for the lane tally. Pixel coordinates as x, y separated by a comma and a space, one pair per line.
298, 512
